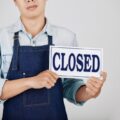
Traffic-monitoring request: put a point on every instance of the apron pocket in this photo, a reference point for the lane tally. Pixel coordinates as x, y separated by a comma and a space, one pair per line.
36, 97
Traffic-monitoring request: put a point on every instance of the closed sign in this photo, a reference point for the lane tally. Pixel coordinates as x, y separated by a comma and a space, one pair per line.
74, 62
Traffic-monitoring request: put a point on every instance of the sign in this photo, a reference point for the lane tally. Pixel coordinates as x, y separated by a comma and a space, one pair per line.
74, 62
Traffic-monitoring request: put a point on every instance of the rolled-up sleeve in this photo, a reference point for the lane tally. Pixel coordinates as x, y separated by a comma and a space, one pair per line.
70, 87
2, 80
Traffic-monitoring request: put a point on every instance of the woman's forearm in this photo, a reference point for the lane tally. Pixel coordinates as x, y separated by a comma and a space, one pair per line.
12, 88
82, 95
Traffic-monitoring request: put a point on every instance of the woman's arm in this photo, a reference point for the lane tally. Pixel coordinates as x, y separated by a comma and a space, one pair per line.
12, 88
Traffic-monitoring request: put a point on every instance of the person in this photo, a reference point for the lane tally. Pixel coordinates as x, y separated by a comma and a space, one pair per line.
28, 89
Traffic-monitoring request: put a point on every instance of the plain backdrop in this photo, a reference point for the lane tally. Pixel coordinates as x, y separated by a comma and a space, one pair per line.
96, 24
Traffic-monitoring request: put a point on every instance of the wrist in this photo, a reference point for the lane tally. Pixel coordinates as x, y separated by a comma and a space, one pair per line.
29, 82
81, 94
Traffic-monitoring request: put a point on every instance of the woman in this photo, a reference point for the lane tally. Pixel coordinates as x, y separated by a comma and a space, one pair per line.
31, 91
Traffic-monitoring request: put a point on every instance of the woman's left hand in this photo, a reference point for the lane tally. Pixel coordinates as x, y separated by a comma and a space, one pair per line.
92, 88
94, 85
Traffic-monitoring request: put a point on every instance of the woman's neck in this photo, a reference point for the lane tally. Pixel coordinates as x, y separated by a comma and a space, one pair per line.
33, 26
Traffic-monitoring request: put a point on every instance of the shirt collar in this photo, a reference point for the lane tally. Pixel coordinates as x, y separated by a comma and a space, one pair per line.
18, 26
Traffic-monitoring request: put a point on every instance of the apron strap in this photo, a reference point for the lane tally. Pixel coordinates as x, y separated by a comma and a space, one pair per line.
2, 75
15, 51
16, 39
50, 40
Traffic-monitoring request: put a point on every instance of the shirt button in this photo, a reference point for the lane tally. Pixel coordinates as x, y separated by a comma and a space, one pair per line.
33, 43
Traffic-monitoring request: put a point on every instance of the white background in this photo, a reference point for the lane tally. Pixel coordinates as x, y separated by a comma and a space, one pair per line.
97, 24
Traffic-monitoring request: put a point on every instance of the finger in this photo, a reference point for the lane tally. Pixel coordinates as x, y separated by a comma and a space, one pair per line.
45, 83
97, 80
93, 88
54, 75
51, 79
95, 83
50, 82
90, 92
103, 75
48, 86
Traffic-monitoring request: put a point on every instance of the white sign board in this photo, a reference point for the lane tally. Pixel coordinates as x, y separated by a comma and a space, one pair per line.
74, 62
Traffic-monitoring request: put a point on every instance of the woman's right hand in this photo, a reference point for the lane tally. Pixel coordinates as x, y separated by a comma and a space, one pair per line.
45, 79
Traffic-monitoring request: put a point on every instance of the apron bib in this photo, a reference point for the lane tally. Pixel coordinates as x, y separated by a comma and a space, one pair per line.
33, 104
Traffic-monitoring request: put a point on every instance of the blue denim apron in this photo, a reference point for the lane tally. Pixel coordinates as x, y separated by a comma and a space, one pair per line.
33, 104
